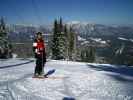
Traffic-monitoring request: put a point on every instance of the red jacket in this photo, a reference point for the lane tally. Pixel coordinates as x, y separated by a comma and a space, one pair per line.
39, 47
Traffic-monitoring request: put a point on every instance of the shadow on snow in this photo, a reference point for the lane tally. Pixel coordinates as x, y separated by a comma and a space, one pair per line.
120, 73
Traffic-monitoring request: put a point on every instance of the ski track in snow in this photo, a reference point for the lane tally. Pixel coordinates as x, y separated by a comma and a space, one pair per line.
81, 81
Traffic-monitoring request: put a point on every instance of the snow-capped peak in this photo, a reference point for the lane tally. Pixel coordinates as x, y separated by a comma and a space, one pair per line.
77, 22
74, 22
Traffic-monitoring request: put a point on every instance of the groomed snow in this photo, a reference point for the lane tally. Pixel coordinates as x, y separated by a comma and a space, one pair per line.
82, 81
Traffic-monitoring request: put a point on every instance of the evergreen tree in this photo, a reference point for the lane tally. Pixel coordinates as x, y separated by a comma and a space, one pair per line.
4, 43
58, 47
55, 41
82, 56
60, 25
66, 41
3, 33
62, 40
88, 54
91, 54
72, 44
62, 45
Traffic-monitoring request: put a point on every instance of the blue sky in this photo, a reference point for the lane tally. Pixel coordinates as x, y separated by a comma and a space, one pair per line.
39, 12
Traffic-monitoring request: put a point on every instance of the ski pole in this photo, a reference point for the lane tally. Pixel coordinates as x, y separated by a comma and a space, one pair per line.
42, 64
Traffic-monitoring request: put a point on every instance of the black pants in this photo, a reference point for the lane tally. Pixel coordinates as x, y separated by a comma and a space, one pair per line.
40, 62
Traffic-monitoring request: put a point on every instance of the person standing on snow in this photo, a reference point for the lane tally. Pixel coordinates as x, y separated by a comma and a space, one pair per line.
40, 55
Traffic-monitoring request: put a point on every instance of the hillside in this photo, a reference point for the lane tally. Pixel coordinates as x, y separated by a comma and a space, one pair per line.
82, 81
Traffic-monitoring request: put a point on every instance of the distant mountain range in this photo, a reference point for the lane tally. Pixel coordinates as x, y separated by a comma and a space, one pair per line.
88, 29
84, 30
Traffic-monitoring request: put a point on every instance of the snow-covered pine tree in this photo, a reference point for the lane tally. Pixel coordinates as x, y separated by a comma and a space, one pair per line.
72, 44
3, 33
62, 42
55, 43
66, 41
5, 46
58, 45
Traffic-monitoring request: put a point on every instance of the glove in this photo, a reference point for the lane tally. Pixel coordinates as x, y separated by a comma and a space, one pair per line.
37, 51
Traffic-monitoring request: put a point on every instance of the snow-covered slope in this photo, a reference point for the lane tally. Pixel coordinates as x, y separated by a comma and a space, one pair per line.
82, 81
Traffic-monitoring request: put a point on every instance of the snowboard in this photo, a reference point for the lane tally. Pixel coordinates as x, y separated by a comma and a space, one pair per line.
50, 72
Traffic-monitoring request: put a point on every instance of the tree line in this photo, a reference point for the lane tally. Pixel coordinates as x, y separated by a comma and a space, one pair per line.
64, 44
